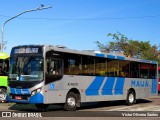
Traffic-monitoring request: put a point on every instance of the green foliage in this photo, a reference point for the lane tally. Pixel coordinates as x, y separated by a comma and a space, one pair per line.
130, 48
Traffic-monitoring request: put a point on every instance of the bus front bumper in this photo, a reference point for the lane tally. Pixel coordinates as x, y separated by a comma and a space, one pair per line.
35, 99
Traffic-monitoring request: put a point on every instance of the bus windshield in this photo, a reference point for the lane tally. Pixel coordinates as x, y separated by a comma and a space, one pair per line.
4, 64
28, 68
1, 64
4, 67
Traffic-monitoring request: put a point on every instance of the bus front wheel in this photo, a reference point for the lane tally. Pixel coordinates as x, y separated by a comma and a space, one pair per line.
130, 97
3, 95
71, 102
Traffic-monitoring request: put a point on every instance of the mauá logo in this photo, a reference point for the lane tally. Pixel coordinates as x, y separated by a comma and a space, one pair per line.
139, 83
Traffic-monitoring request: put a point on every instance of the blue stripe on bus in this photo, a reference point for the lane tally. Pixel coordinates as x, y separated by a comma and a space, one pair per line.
12, 90
154, 86
119, 86
19, 91
94, 87
146, 61
111, 56
100, 55
38, 98
154, 62
108, 86
120, 57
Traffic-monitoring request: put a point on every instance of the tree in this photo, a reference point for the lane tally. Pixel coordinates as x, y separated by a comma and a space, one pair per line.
117, 46
130, 48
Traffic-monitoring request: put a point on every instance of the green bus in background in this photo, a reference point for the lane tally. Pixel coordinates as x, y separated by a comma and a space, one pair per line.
4, 67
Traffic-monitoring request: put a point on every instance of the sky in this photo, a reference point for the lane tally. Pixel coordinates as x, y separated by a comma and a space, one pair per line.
78, 24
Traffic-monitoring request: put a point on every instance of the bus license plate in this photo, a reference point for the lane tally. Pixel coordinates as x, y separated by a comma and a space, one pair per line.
18, 97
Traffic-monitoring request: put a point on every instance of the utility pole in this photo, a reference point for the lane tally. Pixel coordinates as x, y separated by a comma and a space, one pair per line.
42, 7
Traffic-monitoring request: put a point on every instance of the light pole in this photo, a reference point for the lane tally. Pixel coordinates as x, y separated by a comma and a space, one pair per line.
2, 32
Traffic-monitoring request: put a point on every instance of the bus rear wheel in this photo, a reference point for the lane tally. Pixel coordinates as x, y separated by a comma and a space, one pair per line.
71, 102
130, 97
3, 94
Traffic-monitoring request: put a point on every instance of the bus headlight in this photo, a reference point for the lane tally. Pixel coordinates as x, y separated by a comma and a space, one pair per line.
36, 91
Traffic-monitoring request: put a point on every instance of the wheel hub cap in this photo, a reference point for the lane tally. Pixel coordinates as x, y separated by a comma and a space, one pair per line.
71, 102
131, 98
2, 96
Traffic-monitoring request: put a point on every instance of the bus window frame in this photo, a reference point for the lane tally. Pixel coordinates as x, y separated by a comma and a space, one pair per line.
50, 55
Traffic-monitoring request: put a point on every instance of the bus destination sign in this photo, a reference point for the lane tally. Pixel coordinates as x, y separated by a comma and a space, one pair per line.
26, 50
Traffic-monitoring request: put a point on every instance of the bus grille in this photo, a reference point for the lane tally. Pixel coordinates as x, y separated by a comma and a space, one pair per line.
19, 97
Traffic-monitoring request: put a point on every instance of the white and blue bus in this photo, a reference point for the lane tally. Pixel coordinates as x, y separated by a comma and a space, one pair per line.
46, 74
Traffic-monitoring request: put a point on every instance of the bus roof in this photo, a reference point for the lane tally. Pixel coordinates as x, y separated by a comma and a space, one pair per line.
88, 52
3, 55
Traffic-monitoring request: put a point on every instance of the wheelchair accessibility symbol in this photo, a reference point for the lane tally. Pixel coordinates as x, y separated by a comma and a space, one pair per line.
51, 86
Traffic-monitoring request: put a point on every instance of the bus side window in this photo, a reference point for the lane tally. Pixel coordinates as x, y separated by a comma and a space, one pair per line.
54, 70
152, 71
51, 69
134, 70
54, 67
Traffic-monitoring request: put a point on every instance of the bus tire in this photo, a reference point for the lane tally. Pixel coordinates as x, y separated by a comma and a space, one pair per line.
130, 97
3, 94
71, 102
